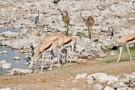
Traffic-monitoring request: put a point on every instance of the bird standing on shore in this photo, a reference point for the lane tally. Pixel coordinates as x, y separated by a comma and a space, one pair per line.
37, 18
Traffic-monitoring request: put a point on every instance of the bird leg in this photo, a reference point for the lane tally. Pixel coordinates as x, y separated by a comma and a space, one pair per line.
129, 52
120, 53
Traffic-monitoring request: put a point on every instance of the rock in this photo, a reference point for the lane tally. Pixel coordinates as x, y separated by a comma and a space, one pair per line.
6, 65
20, 71
16, 58
1, 38
80, 49
102, 77
113, 54
99, 59
123, 88
5, 88
81, 76
9, 34
131, 82
90, 81
2, 62
3, 52
119, 85
98, 86
108, 88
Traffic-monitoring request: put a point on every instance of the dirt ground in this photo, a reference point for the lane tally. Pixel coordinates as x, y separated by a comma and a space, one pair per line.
63, 78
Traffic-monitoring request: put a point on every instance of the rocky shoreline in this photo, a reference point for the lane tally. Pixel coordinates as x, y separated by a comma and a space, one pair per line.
106, 14
20, 14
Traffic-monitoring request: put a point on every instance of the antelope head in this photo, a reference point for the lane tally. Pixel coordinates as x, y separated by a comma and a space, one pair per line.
30, 63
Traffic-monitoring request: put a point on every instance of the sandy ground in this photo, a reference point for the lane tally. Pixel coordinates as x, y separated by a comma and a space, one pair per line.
62, 78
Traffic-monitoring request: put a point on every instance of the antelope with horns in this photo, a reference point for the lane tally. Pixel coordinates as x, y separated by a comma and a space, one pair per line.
47, 44
89, 23
125, 40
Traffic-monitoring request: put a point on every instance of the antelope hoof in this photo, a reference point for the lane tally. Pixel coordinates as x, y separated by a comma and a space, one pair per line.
50, 69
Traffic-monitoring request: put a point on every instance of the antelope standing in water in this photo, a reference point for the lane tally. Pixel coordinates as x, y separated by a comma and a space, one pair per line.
47, 44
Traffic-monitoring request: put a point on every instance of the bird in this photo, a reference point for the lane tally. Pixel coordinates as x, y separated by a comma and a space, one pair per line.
37, 18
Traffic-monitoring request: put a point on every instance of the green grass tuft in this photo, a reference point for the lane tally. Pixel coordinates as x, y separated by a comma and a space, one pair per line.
96, 40
124, 56
80, 34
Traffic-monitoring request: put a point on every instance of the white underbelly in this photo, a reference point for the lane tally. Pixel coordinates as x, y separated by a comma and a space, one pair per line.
49, 49
131, 42
68, 45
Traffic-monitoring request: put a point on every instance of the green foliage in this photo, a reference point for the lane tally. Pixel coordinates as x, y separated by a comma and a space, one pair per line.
70, 34
96, 40
113, 60
1, 74
124, 56
80, 34
16, 74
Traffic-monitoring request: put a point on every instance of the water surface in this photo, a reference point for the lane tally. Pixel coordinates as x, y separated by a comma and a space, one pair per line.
11, 54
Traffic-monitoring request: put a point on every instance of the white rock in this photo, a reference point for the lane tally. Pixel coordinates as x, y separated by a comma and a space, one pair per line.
20, 71
6, 65
102, 77
80, 48
1, 38
3, 52
98, 86
9, 34
122, 88
119, 85
90, 81
81, 76
108, 88
5, 89
113, 54
2, 62
16, 58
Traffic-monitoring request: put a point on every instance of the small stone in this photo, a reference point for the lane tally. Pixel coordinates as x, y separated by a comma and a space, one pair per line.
108, 88
99, 59
79, 76
16, 58
6, 65
98, 86
3, 52
5, 89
